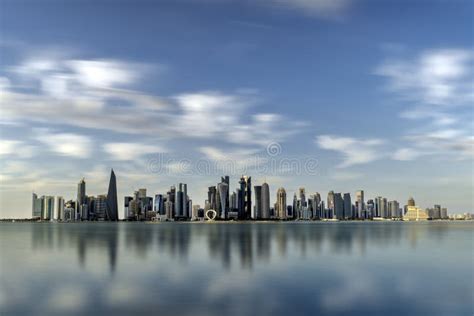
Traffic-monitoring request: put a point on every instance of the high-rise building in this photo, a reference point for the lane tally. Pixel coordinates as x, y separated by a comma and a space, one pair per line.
370, 209
411, 201
330, 204
347, 206
100, 208
37, 206
223, 203
394, 209
226, 180
233, 201
294, 208
48, 208
181, 204
246, 192
127, 212
159, 205
195, 212
316, 205
444, 213
212, 197
415, 214
257, 214
280, 207
338, 206
436, 212
360, 204
59, 208
265, 201
112, 204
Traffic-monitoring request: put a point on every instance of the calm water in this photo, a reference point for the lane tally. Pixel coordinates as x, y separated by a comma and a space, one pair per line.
237, 269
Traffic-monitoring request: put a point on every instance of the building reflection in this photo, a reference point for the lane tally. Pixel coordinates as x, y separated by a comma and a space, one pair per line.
225, 244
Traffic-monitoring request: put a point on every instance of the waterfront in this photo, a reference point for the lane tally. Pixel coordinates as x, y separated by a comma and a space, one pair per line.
361, 268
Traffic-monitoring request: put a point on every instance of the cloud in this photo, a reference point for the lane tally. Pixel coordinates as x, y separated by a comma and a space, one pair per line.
354, 151
15, 148
325, 8
438, 85
66, 144
130, 151
436, 77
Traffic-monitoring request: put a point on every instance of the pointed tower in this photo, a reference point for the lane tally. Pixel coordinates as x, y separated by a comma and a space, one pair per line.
112, 205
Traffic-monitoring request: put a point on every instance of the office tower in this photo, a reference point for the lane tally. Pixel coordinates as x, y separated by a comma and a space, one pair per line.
289, 211
223, 190
444, 213
280, 207
370, 209
81, 198
100, 208
184, 200
302, 197
315, 205
69, 210
195, 212
394, 209
59, 208
330, 204
169, 209
36, 206
180, 203
212, 197
126, 207
159, 205
246, 197
294, 208
411, 201
226, 180
360, 204
48, 208
112, 204
338, 206
257, 214
265, 201
347, 206
436, 212
233, 201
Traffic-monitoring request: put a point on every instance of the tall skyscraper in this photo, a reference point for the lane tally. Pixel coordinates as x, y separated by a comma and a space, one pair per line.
181, 204
360, 204
280, 208
81, 198
257, 214
330, 204
159, 205
112, 204
265, 201
316, 205
59, 208
48, 208
226, 180
338, 206
36, 206
127, 213
246, 191
347, 206
212, 197
223, 207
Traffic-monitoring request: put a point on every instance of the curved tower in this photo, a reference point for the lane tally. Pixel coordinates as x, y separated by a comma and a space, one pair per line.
112, 205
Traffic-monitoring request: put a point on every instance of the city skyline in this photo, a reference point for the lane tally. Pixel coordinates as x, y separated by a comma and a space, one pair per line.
177, 205
376, 95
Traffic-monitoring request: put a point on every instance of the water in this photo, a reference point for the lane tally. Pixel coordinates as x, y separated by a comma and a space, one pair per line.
391, 268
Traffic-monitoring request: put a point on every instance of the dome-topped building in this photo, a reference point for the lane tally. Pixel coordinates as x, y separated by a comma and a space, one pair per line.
411, 201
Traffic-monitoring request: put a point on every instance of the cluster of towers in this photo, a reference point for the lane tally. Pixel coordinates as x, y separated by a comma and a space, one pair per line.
103, 207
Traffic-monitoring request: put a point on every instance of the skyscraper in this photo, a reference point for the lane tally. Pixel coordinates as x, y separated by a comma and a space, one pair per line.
159, 206
338, 206
280, 208
59, 208
81, 198
181, 204
265, 201
330, 204
360, 204
246, 192
112, 204
48, 208
36, 206
258, 202
316, 205
347, 206
223, 207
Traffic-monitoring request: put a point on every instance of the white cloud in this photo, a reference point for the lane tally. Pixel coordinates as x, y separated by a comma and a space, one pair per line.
406, 154
355, 151
15, 148
130, 151
329, 8
67, 144
437, 77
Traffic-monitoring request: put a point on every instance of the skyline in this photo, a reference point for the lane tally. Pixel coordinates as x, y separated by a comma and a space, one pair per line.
246, 202
377, 95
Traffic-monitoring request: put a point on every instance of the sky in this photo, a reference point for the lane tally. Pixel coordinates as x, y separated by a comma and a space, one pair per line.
328, 95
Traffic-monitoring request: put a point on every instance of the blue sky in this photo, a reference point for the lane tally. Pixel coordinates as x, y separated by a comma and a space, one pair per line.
376, 94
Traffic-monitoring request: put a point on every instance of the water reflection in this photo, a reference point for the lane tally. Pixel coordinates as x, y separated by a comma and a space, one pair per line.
236, 269
247, 241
